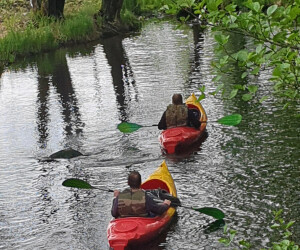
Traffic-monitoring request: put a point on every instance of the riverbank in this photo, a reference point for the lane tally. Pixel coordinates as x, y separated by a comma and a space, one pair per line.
24, 33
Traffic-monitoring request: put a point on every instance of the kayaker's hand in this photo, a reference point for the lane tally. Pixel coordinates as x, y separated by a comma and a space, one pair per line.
167, 202
116, 193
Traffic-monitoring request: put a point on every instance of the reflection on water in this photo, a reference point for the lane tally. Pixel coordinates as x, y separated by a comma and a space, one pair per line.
75, 98
53, 70
121, 72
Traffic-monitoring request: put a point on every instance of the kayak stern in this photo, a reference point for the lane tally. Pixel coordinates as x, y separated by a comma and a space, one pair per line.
123, 232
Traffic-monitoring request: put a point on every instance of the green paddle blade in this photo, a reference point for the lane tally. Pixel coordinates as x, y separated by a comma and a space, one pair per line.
127, 127
230, 120
211, 211
77, 183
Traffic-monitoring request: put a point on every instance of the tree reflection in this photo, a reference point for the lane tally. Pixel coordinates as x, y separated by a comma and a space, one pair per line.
53, 69
121, 72
1, 70
198, 34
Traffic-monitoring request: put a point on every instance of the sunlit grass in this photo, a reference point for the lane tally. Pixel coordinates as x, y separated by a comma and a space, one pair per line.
42, 33
133, 10
143, 6
76, 27
28, 33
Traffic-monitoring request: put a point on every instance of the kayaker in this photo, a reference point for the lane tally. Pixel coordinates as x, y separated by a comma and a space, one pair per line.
134, 201
177, 114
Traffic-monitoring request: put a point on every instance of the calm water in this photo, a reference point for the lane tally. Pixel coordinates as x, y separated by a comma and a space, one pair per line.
76, 97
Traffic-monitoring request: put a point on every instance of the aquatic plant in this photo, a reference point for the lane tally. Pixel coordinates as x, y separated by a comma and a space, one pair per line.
279, 224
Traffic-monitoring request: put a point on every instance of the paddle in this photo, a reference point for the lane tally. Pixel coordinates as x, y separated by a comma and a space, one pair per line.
77, 183
211, 211
229, 120
128, 127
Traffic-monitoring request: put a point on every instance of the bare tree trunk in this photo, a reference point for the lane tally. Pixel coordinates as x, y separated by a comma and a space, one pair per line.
110, 11
111, 19
54, 8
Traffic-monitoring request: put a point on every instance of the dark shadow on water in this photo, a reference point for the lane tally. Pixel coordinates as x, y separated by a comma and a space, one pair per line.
53, 70
214, 226
66, 154
1, 72
122, 74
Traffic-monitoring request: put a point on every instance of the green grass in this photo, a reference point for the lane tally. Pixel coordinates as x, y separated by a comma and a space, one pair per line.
133, 11
27, 33
77, 28
25, 42
140, 7
43, 33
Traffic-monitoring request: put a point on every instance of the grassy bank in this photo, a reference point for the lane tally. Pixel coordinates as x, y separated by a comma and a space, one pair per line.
24, 33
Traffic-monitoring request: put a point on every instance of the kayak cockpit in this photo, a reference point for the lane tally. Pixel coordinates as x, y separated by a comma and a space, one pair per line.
155, 184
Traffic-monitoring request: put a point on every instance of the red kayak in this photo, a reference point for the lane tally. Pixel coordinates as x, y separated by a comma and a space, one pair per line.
136, 231
175, 140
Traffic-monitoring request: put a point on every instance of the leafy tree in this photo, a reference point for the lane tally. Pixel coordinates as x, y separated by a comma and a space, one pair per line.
273, 30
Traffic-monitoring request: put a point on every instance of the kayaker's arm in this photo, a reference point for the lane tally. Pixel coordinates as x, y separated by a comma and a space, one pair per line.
114, 209
154, 207
162, 123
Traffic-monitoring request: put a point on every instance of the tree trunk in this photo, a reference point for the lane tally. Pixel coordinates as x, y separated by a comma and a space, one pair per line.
110, 11
111, 19
54, 8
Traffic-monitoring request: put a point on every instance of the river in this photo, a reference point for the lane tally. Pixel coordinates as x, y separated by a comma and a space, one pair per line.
75, 97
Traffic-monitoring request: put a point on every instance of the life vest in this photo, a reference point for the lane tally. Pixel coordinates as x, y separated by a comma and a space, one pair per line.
132, 203
176, 116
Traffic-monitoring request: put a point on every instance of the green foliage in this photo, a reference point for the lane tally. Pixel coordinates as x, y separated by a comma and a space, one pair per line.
26, 42
133, 11
276, 39
140, 7
174, 7
76, 27
279, 224
230, 234
272, 25
202, 96
283, 228
130, 19
231, 120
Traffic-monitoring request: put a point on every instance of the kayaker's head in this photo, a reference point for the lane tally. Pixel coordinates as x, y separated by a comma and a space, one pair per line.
177, 99
134, 179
